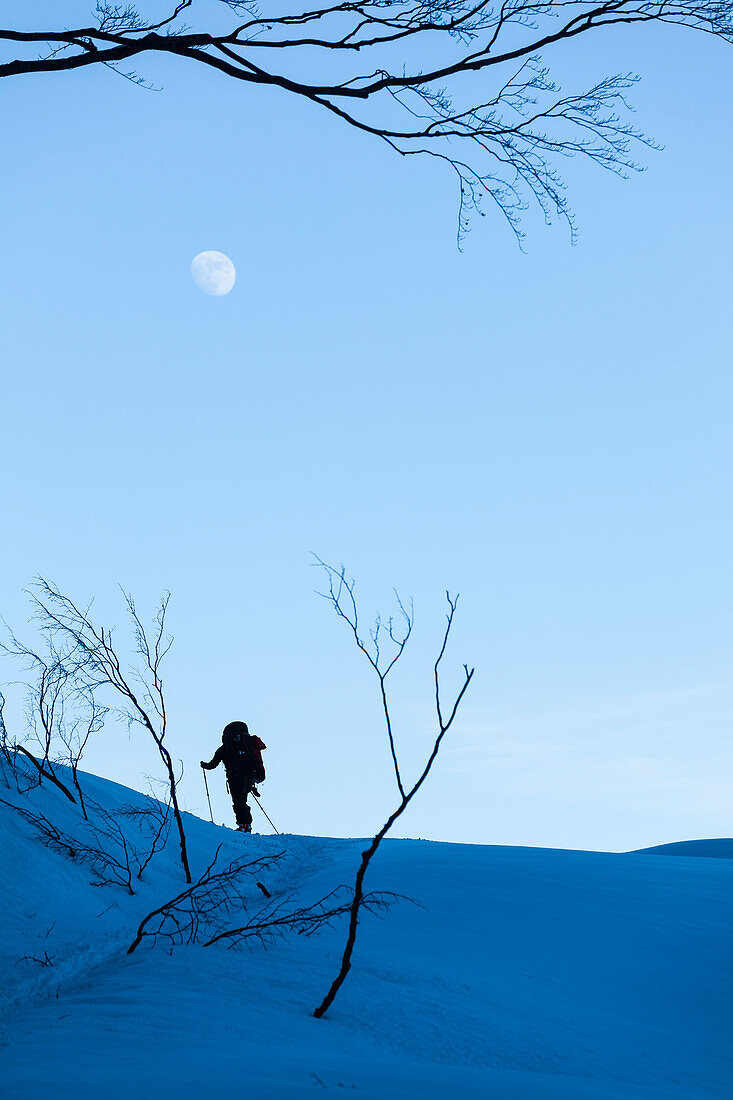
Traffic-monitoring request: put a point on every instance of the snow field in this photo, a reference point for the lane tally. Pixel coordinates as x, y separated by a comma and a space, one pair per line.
522, 973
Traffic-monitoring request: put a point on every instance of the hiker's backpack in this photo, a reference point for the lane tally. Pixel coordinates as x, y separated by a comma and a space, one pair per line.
245, 754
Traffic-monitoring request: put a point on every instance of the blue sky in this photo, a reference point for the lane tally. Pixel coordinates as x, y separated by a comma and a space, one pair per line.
547, 433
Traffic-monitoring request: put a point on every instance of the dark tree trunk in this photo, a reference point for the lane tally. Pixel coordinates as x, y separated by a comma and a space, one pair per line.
47, 774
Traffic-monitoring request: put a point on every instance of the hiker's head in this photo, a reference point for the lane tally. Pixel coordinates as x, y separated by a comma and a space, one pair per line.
233, 729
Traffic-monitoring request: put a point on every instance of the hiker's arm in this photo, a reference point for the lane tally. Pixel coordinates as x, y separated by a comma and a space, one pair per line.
214, 762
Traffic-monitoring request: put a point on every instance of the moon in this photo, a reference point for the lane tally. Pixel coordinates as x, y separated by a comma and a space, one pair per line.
213, 272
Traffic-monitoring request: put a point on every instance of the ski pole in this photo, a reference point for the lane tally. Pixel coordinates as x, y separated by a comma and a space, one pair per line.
206, 784
265, 812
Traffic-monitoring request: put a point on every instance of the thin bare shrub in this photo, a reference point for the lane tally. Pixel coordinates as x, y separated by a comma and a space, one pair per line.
340, 594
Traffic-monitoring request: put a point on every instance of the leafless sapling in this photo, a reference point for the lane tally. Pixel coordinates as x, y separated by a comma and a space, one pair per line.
74, 733
280, 918
109, 867
340, 594
465, 82
7, 761
47, 692
153, 819
196, 913
62, 714
98, 666
43, 960
101, 842
200, 914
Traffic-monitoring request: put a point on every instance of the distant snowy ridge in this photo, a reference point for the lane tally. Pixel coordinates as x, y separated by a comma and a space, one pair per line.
708, 849
524, 974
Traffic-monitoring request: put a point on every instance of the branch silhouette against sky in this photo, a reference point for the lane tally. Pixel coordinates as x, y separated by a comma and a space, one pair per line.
465, 81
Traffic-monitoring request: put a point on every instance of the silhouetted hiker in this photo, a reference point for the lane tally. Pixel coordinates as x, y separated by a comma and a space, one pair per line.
241, 753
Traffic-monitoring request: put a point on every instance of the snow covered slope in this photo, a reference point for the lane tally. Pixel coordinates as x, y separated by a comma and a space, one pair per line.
713, 849
529, 973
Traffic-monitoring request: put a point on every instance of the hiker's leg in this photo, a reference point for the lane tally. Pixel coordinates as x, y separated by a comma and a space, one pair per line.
242, 811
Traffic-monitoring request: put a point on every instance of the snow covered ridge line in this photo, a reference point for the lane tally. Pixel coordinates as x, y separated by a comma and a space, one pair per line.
79, 674
101, 843
198, 915
719, 848
530, 974
340, 595
119, 845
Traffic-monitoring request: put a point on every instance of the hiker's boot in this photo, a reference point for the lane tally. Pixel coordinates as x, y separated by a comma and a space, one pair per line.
244, 828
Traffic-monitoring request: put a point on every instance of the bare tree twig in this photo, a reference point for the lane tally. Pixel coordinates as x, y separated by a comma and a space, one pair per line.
6, 752
465, 82
101, 844
341, 596
155, 818
95, 664
335, 595
285, 917
58, 713
75, 736
199, 914
197, 911
45, 773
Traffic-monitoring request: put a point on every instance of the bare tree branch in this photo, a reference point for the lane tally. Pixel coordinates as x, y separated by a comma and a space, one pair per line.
102, 844
75, 735
200, 913
61, 715
6, 750
337, 585
284, 917
341, 596
43, 772
154, 818
94, 663
197, 912
427, 77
